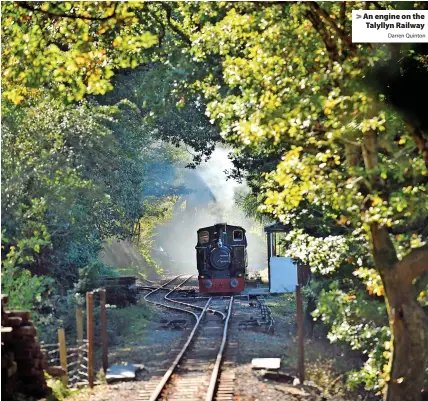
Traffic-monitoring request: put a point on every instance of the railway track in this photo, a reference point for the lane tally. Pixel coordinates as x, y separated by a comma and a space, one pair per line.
195, 374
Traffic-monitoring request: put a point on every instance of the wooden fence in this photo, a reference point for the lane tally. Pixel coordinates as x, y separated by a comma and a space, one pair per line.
74, 363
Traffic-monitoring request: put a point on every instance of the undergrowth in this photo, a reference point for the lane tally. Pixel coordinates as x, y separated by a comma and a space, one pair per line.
127, 325
326, 365
59, 390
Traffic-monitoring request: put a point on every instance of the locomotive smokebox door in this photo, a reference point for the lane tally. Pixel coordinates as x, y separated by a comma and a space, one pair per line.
282, 269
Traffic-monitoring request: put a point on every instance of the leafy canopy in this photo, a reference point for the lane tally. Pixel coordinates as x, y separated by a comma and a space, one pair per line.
74, 47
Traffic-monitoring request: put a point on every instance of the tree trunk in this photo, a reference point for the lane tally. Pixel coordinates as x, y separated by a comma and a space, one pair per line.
406, 317
407, 323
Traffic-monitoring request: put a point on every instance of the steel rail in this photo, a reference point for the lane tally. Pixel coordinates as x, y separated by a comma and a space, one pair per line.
267, 311
178, 302
158, 390
214, 376
189, 304
216, 370
160, 288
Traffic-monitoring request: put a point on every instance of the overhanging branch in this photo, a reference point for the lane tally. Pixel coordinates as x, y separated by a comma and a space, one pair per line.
413, 264
23, 4
332, 23
172, 25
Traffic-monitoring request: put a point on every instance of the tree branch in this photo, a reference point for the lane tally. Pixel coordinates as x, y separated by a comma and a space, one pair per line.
421, 141
330, 45
171, 24
343, 14
23, 4
341, 33
162, 28
384, 254
413, 264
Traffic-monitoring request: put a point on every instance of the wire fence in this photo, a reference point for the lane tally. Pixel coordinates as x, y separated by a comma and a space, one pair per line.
77, 361
75, 365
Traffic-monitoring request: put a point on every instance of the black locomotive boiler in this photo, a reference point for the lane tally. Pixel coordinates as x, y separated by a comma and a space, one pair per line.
221, 254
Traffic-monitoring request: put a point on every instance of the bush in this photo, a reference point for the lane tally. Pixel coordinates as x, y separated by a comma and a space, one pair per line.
127, 322
59, 390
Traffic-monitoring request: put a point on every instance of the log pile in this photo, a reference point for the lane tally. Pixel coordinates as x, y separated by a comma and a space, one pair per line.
22, 361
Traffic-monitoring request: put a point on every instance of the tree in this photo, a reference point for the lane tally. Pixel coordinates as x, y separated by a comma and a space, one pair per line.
75, 175
291, 92
172, 113
296, 83
73, 47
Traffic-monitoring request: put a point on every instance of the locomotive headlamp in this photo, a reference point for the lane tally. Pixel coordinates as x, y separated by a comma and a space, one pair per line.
208, 283
234, 283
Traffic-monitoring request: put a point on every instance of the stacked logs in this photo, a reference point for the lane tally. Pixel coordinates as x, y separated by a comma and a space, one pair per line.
22, 362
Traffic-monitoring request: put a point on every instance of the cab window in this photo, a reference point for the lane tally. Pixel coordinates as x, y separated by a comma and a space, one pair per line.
238, 235
204, 237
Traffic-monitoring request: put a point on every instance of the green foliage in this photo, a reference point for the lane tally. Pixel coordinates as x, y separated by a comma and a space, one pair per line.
24, 291
73, 175
129, 323
101, 377
44, 186
355, 319
292, 94
59, 390
76, 175
172, 114
307, 107
73, 47
88, 277
286, 304
158, 212
323, 254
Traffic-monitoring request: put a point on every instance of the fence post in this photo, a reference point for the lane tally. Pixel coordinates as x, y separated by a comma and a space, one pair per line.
79, 334
299, 274
90, 334
79, 325
301, 358
104, 338
63, 355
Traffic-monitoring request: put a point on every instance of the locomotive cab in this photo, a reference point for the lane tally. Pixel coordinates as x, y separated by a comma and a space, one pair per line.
221, 254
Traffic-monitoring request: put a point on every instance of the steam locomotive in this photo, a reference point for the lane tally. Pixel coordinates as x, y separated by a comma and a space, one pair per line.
221, 254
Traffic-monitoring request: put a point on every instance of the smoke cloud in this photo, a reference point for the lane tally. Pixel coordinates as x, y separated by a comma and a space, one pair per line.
211, 200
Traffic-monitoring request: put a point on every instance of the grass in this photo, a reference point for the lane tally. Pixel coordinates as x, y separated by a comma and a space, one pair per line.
283, 306
326, 364
126, 327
